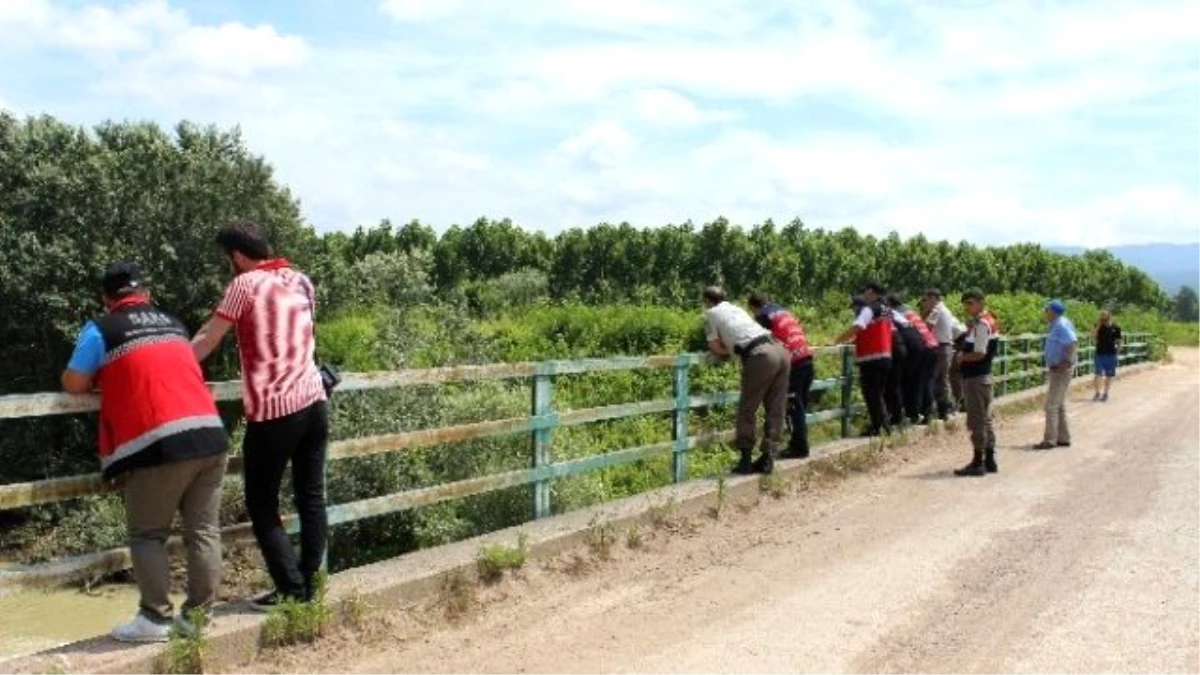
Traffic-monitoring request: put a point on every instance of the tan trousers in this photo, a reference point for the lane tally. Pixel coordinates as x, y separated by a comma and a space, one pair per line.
152, 497
977, 395
1057, 429
765, 372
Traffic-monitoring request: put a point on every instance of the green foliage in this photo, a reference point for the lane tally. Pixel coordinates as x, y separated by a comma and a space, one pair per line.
187, 648
294, 622
493, 560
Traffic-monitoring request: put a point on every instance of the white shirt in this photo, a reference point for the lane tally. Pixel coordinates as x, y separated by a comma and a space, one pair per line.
944, 324
864, 319
732, 325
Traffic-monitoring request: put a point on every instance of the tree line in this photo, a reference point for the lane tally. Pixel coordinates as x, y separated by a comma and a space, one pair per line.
73, 199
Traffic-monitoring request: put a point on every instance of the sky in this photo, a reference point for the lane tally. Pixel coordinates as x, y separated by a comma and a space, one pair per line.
1067, 123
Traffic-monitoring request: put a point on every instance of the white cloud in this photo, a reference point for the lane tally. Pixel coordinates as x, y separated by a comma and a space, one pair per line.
602, 145
1062, 122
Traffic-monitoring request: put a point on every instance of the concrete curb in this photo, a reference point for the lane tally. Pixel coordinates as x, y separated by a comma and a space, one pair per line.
236, 634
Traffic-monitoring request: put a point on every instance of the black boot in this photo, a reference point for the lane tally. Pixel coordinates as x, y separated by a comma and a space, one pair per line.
744, 466
797, 451
975, 468
765, 464
989, 461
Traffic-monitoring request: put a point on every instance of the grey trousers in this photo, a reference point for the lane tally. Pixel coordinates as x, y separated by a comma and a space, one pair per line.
765, 372
1057, 429
945, 382
152, 497
977, 394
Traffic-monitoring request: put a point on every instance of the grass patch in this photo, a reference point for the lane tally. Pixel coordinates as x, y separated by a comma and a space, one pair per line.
293, 622
495, 559
186, 649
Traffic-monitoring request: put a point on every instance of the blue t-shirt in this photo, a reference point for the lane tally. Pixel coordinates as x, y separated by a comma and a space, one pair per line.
89, 351
1059, 341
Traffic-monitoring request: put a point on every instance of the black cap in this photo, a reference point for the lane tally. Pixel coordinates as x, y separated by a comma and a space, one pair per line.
122, 278
873, 286
934, 291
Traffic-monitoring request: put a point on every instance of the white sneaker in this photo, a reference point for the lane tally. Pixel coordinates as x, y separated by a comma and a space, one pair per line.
142, 629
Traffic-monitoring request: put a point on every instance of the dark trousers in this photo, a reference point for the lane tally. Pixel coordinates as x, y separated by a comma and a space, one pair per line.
917, 383
302, 438
799, 385
894, 390
873, 376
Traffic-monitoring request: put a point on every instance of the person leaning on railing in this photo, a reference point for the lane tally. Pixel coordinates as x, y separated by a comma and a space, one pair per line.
788, 330
765, 369
287, 414
946, 328
161, 436
872, 336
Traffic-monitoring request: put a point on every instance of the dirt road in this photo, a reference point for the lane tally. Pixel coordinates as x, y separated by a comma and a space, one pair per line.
1074, 560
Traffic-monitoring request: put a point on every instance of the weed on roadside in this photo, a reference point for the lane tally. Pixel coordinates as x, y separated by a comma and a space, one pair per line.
495, 559
295, 622
600, 538
634, 538
775, 485
186, 647
354, 609
665, 515
722, 497
459, 595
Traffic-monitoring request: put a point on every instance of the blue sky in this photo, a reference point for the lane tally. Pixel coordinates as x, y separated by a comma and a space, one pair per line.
1061, 122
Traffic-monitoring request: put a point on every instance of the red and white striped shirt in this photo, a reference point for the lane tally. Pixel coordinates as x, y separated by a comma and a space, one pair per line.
272, 307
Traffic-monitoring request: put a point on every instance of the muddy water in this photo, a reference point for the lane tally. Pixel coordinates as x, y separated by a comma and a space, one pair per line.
37, 620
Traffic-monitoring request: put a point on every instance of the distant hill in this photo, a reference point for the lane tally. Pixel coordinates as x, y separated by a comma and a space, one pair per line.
1171, 265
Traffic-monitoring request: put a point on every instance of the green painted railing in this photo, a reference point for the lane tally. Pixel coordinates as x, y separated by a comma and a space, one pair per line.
1019, 369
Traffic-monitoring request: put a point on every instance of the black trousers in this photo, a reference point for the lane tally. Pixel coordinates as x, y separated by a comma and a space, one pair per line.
301, 438
799, 385
873, 376
917, 383
894, 396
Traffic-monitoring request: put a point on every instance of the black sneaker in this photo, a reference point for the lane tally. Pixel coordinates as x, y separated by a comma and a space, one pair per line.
794, 453
269, 600
1061, 444
972, 469
989, 465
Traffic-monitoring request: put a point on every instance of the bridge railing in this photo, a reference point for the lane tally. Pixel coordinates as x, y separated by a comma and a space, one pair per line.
1018, 367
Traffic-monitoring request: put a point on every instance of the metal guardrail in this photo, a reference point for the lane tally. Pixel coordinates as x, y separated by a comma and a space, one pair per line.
539, 425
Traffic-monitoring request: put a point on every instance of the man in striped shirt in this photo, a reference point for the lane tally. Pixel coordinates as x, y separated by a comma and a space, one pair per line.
272, 306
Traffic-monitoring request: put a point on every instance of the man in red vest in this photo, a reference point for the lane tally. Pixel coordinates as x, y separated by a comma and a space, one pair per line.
160, 433
790, 333
871, 334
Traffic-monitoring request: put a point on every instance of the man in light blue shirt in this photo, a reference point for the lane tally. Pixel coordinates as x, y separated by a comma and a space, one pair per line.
1061, 343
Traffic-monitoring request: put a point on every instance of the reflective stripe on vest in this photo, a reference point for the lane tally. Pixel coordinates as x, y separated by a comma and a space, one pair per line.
927, 335
787, 329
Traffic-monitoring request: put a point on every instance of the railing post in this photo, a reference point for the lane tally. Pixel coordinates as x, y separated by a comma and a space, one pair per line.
847, 389
680, 383
543, 408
